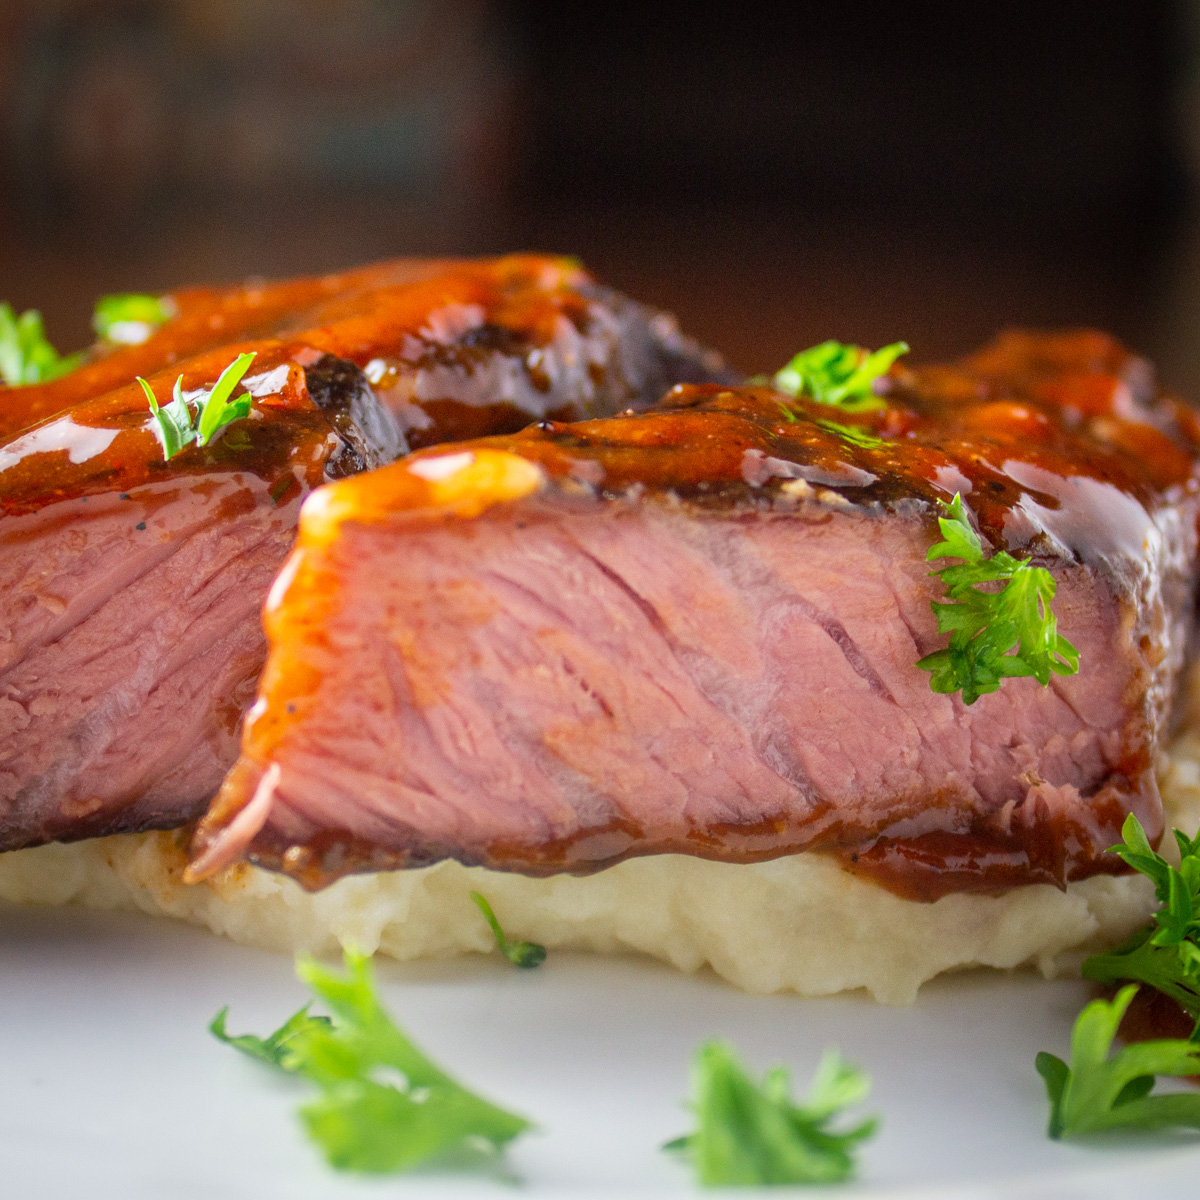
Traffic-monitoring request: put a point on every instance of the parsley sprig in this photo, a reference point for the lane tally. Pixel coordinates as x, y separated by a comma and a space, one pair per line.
130, 319
275, 1046
839, 375
520, 954
753, 1133
364, 1118
1095, 1092
26, 355
984, 626
1166, 954
175, 424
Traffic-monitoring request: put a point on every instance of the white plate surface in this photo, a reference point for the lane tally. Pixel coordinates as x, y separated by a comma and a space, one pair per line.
110, 1087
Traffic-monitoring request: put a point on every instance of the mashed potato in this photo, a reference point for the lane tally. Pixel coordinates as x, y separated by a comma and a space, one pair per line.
797, 924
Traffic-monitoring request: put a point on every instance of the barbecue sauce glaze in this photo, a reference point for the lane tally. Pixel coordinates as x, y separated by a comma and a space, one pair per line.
386, 320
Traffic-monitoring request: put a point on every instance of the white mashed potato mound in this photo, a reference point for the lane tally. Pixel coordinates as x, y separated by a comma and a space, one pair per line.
800, 924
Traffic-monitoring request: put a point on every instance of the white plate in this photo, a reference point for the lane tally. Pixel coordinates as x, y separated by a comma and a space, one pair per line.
110, 1087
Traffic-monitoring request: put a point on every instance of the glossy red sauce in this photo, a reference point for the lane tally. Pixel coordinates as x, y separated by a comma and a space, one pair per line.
359, 316
1013, 428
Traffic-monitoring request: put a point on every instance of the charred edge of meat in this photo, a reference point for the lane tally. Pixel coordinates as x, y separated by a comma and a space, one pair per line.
498, 338
655, 354
682, 359
473, 348
371, 436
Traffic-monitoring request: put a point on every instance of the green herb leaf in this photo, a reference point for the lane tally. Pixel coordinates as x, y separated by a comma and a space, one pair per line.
985, 626
26, 356
840, 375
853, 434
520, 954
129, 320
753, 1133
173, 422
274, 1047
219, 410
175, 425
383, 1106
1097, 1092
1166, 954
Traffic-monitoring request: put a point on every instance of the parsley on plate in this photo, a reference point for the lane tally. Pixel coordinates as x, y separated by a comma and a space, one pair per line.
382, 1105
1166, 953
749, 1132
520, 954
1096, 1092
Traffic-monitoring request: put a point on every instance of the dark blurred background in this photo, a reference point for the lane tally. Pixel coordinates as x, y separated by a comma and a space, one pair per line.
776, 175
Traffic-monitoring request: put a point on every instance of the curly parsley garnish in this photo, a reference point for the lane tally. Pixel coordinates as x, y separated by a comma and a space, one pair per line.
26, 355
275, 1046
1097, 1092
520, 954
753, 1133
177, 427
839, 375
1166, 954
365, 1118
985, 626
130, 319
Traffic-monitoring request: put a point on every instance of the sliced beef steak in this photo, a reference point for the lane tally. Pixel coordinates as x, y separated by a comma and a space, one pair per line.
131, 587
697, 630
130, 590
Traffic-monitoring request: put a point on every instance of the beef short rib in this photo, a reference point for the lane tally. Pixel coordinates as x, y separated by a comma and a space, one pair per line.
696, 630
131, 587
